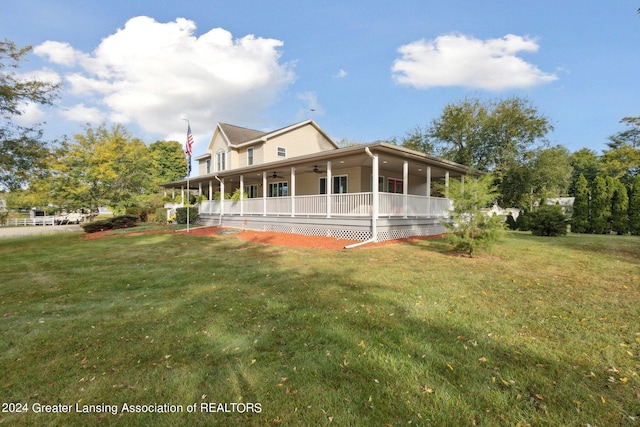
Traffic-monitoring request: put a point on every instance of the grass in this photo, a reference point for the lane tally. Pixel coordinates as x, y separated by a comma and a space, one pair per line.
541, 331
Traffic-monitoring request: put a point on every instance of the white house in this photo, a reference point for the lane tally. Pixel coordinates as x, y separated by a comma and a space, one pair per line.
297, 180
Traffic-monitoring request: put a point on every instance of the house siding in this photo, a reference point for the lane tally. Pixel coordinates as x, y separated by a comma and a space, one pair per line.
298, 142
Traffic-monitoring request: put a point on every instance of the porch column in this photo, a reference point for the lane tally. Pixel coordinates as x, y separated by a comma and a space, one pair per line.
375, 198
241, 195
210, 196
182, 195
405, 190
329, 189
446, 184
173, 193
222, 197
429, 190
462, 183
264, 193
164, 191
199, 189
293, 191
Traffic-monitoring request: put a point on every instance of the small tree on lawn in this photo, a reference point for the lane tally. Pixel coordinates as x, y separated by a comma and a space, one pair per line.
522, 223
471, 229
548, 220
620, 209
580, 219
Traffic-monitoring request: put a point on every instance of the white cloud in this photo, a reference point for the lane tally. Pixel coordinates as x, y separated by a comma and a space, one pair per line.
83, 114
59, 53
31, 115
459, 60
152, 74
340, 74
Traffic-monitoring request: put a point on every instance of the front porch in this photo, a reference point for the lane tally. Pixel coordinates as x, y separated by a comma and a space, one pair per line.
351, 216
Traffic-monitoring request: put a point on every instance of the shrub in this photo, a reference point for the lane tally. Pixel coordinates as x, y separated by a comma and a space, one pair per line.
522, 223
511, 223
548, 220
116, 222
181, 215
141, 213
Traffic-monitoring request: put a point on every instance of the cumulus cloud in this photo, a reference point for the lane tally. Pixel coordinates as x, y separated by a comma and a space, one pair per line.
84, 114
153, 74
459, 60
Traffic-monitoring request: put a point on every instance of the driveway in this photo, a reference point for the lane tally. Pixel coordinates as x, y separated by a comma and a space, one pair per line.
30, 230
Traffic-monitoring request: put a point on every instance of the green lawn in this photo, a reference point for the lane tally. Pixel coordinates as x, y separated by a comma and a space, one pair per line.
541, 331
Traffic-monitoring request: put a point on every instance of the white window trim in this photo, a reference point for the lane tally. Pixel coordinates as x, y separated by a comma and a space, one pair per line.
250, 158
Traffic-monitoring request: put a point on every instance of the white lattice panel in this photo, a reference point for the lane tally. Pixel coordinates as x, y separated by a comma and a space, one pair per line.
344, 234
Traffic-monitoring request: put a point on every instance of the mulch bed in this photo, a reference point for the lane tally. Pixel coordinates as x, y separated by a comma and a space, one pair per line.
265, 237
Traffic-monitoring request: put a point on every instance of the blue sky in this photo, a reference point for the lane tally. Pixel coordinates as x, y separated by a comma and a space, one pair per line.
364, 71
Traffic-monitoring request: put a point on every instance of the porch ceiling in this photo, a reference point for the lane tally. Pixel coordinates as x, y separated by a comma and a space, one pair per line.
391, 158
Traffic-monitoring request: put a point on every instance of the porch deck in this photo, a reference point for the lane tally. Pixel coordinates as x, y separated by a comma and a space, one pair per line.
344, 216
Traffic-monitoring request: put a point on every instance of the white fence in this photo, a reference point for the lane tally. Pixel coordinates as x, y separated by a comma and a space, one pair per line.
38, 220
350, 204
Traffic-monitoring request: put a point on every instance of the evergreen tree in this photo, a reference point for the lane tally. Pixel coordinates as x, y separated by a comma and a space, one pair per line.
580, 219
548, 220
600, 206
522, 223
511, 222
634, 208
470, 228
620, 209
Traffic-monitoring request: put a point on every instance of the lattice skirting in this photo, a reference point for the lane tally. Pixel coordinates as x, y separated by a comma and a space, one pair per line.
357, 231
345, 234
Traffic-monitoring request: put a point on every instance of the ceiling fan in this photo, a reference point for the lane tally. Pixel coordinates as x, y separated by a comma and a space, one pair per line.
316, 170
275, 175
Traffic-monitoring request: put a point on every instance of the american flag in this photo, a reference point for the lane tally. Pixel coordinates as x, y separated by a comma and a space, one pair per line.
189, 141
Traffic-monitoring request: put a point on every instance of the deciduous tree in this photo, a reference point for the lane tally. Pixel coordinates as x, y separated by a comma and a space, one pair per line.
22, 151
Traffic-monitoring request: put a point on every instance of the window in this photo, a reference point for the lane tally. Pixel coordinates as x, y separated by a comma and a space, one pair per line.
249, 156
208, 165
394, 185
221, 161
278, 189
251, 191
282, 152
339, 185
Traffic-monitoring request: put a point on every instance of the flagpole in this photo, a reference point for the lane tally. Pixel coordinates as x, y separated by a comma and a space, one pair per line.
188, 152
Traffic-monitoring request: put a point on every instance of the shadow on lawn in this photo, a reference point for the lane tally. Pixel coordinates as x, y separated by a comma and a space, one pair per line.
311, 345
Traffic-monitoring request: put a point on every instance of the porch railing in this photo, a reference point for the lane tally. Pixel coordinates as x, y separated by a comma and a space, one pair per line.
350, 204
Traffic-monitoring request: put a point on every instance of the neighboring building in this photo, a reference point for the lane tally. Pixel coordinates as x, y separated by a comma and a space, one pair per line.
297, 180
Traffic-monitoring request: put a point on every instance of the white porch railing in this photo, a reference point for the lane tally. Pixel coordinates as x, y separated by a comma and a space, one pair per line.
350, 204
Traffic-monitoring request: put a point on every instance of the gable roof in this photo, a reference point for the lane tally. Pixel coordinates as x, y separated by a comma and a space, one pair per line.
237, 135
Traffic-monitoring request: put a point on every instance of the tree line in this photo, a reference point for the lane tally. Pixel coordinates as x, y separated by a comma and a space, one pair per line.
508, 139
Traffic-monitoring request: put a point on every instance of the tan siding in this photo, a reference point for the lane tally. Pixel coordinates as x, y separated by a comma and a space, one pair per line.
298, 142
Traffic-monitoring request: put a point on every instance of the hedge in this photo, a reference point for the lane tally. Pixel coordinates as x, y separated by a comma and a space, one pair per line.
114, 223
